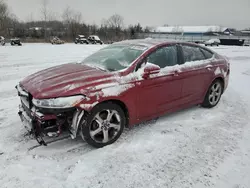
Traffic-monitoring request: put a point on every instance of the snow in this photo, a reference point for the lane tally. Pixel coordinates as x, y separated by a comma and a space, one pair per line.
88, 106
194, 148
217, 71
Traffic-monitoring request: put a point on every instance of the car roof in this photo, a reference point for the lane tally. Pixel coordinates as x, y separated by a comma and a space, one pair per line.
148, 42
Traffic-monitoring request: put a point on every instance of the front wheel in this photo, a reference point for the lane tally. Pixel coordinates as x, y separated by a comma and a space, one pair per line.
213, 94
104, 125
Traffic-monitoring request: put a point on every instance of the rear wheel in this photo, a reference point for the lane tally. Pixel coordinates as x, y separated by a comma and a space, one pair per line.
104, 125
213, 94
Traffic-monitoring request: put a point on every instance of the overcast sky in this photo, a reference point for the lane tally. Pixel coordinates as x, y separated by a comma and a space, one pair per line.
230, 13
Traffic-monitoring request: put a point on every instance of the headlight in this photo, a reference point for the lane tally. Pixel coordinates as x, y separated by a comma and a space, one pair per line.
62, 102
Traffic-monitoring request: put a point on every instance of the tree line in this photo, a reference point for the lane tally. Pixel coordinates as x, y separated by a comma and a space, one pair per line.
68, 27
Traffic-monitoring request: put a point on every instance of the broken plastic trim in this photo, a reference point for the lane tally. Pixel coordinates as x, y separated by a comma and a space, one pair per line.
75, 123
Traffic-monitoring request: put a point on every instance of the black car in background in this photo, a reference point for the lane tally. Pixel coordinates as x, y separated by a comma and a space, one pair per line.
15, 41
81, 39
94, 39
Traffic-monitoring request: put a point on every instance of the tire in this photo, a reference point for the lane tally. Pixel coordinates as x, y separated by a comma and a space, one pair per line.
91, 125
213, 95
12, 43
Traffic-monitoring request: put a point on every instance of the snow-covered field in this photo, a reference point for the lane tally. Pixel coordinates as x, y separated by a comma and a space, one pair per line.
192, 148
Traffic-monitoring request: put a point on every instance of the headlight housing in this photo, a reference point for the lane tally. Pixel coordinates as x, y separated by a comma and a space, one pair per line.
61, 102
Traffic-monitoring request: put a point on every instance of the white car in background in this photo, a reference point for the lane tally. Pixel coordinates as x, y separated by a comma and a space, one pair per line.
212, 42
2, 40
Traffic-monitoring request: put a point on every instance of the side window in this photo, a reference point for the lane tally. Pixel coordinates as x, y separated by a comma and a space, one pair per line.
207, 54
192, 53
165, 56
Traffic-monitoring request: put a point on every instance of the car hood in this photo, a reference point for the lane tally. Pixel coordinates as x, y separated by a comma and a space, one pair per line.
65, 80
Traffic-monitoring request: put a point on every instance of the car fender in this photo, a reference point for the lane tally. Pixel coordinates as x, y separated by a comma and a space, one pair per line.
93, 100
127, 97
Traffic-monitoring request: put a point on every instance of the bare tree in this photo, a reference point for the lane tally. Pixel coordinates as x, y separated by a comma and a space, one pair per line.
45, 12
67, 14
4, 13
104, 23
115, 24
52, 16
115, 21
30, 18
72, 19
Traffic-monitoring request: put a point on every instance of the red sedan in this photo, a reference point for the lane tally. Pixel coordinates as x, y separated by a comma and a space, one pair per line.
120, 85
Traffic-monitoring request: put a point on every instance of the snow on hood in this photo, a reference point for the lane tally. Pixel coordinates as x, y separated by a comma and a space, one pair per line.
65, 80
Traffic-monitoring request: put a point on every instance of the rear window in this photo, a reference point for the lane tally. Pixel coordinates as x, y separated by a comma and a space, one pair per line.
192, 53
207, 54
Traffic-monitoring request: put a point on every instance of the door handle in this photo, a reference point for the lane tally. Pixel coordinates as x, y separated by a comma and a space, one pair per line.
209, 68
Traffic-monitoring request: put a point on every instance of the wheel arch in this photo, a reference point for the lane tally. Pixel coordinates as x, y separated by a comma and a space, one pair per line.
221, 79
217, 78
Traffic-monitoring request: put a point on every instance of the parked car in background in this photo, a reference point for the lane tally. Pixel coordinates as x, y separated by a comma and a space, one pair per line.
94, 39
120, 85
212, 42
56, 40
15, 41
2, 40
81, 39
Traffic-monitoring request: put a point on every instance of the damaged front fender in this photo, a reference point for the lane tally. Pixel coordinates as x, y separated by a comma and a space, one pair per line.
77, 120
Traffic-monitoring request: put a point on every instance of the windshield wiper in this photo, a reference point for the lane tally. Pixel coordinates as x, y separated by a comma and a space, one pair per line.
110, 69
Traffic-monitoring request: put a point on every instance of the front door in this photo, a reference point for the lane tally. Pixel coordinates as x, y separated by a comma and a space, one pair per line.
161, 92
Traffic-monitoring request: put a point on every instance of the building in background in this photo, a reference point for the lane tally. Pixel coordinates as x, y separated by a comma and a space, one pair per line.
193, 30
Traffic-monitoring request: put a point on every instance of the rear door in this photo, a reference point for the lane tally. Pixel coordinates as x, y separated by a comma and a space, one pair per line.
162, 91
196, 72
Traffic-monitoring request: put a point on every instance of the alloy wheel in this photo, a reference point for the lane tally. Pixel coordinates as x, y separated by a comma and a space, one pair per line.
105, 126
215, 93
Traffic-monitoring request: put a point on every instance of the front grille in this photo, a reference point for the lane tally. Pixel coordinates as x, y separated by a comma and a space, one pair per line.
26, 109
26, 99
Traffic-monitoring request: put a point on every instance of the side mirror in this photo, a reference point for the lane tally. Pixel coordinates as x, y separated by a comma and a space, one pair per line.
150, 69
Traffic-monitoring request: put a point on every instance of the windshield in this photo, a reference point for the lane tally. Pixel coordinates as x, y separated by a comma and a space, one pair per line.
114, 57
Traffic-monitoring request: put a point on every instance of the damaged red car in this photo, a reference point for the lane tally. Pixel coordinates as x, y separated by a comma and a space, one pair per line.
120, 85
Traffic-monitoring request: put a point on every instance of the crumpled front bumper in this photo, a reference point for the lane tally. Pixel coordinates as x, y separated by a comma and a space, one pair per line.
26, 120
32, 122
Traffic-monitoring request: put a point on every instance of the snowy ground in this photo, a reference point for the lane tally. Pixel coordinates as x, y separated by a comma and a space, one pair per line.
193, 148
